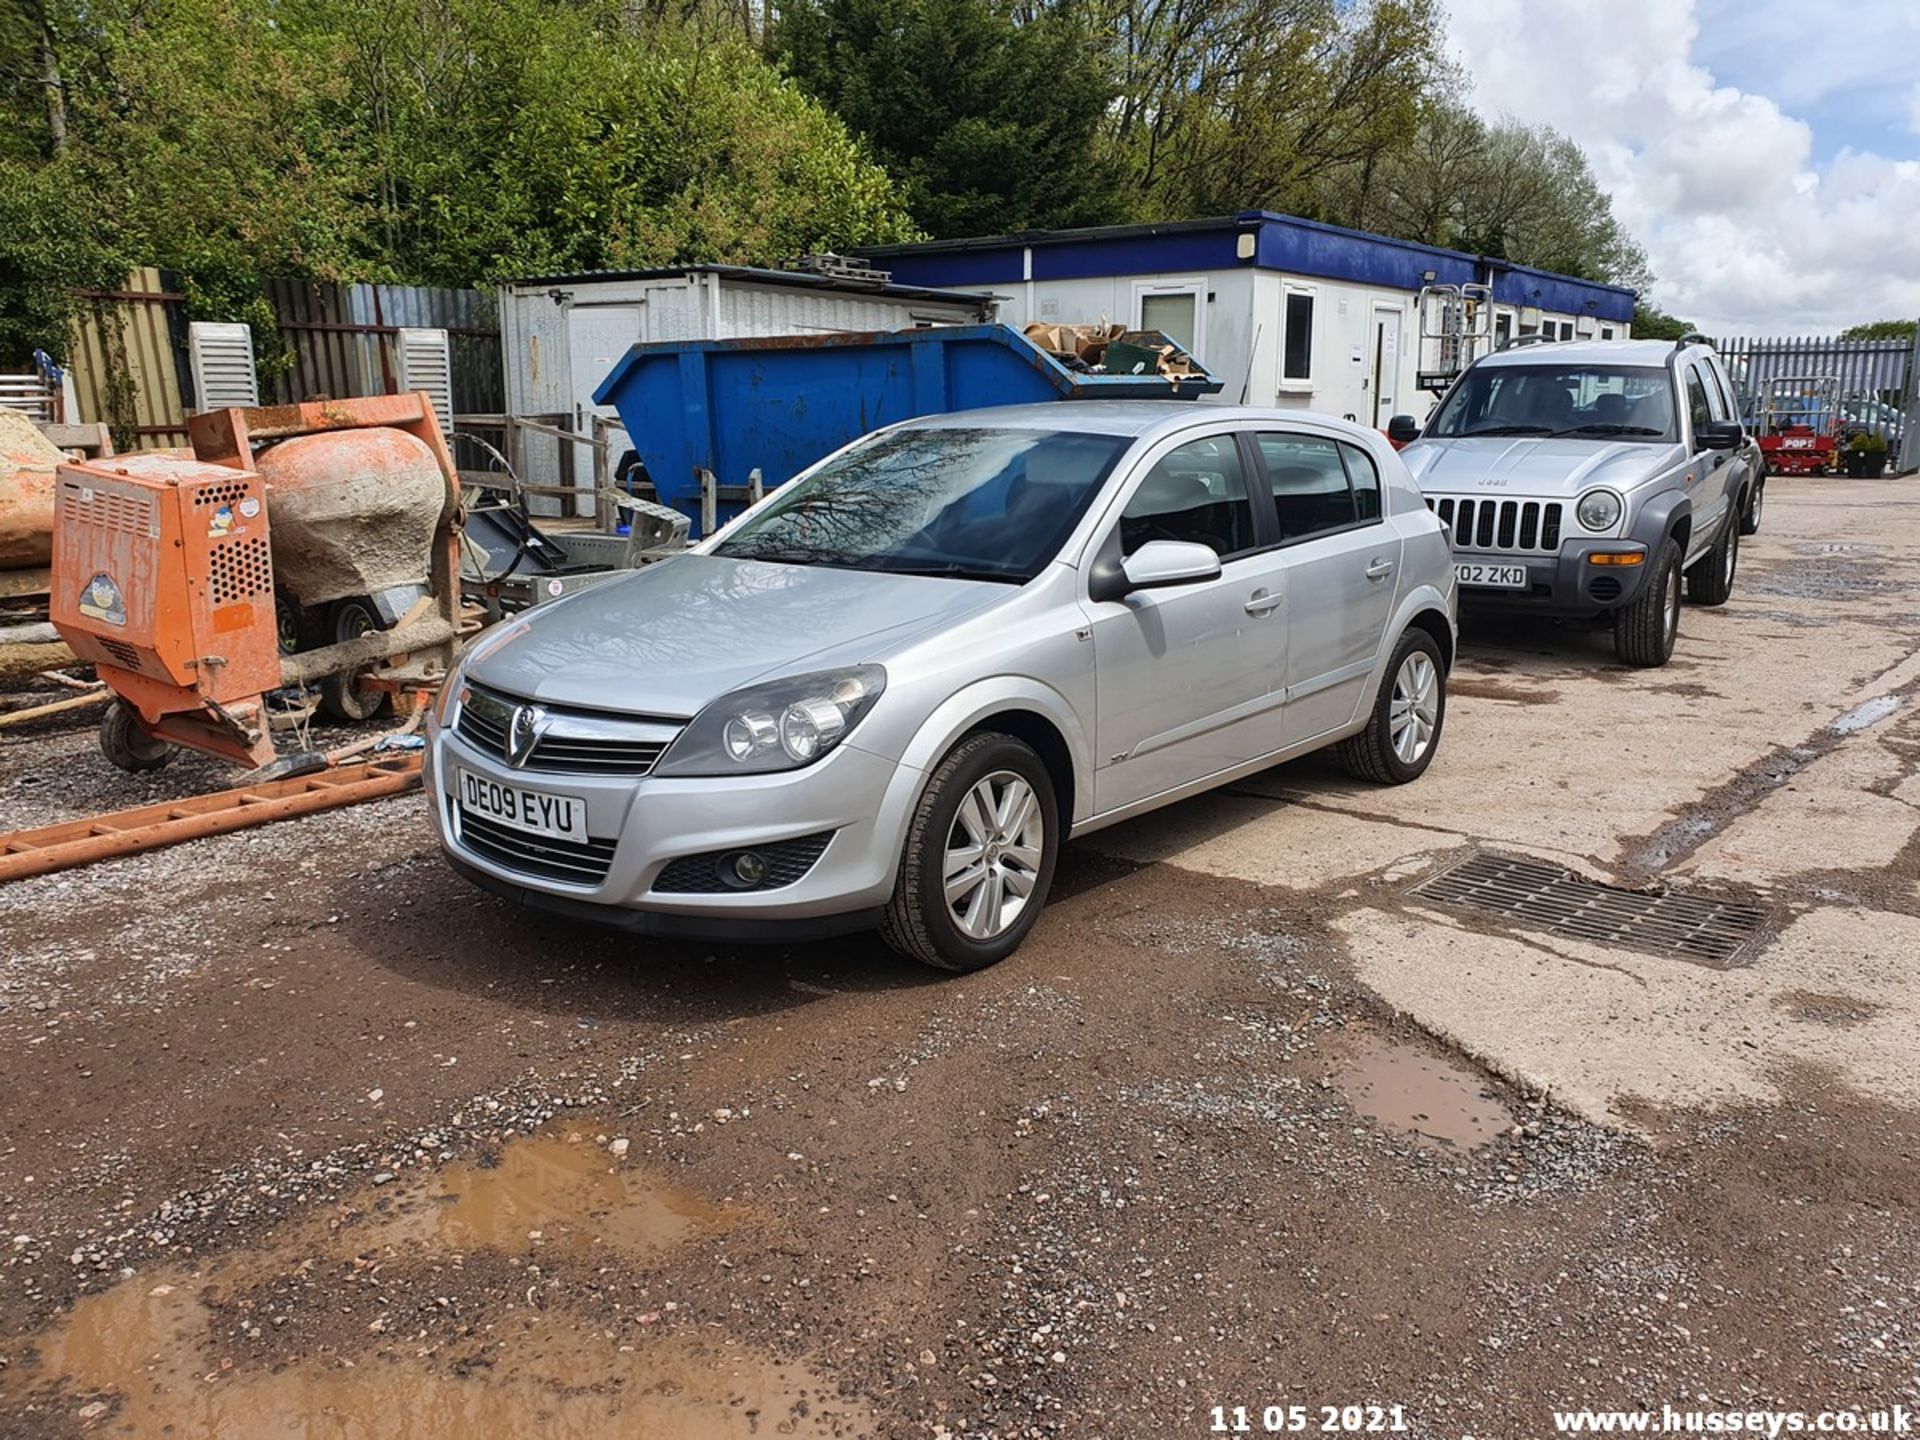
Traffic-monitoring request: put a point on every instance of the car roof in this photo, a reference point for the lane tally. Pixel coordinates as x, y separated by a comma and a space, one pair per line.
1588, 352
1126, 417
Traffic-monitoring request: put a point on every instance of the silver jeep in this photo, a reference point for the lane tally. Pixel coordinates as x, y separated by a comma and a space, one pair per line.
1586, 477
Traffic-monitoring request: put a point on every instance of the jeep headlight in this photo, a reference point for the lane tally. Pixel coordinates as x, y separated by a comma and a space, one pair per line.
776, 725
1598, 510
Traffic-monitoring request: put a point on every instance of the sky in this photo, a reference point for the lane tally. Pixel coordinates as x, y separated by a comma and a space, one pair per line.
1765, 152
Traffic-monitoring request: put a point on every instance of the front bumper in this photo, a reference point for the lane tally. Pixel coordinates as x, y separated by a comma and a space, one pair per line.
862, 800
1566, 583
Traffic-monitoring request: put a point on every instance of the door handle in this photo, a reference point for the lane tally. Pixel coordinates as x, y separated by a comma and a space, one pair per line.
1263, 603
1379, 569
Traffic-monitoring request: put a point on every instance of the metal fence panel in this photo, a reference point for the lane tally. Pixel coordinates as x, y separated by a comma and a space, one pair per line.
1876, 377
129, 360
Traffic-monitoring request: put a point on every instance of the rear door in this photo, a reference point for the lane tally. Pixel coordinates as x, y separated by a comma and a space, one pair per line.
1189, 679
1706, 469
1342, 565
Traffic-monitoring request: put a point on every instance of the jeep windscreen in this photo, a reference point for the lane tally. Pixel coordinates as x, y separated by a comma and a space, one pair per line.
1611, 402
955, 503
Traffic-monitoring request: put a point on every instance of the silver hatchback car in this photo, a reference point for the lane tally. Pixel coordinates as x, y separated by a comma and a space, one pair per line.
886, 694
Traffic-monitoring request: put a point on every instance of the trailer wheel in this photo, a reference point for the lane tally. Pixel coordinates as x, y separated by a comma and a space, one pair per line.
126, 745
341, 695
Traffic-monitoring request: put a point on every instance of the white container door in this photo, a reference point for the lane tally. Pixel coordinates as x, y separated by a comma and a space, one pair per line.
1386, 364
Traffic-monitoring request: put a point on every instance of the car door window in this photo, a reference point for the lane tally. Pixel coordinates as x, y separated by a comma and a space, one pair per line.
1308, 482
1197, 492
1364, 476
1698, 409
1716, 397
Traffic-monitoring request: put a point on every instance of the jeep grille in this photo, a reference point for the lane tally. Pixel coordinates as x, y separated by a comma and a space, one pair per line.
1529, 526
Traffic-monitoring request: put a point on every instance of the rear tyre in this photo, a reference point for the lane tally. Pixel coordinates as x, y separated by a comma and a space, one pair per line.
1408, 714
1756, 497
126, 745
1710, 581
342, 696
979, 856
1644, 632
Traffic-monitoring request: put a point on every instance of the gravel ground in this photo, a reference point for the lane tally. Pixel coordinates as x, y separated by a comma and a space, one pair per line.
303, 1135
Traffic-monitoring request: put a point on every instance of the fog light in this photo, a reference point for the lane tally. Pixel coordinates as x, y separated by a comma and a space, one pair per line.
748, 868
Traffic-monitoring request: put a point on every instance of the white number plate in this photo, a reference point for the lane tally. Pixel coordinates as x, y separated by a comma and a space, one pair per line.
1505, 577
560, 817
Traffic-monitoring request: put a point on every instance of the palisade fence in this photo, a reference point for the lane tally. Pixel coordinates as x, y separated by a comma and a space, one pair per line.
129, 364
1878, 381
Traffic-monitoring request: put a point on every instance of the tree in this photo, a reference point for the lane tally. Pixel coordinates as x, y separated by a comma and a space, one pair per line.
439, 141
1652, 324
1226, 104
1515, 192
1880, 330
989, 117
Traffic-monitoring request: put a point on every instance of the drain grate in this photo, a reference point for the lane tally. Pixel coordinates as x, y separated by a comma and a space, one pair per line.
1545, 897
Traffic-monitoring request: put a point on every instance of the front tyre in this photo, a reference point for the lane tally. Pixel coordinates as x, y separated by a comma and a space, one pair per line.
1645, 631
979, 856
1408, 713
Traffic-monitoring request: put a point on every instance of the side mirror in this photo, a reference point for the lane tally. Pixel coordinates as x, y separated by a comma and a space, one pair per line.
1156, 565
1402, 430
1159, 564
1721, 435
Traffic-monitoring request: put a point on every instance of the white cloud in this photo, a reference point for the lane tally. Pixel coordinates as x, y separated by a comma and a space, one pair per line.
1746, 232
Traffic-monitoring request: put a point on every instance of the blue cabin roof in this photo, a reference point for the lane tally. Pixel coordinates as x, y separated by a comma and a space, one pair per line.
1285, 243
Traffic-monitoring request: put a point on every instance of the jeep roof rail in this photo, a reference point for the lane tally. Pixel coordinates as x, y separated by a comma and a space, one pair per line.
1692, 337
1514, 342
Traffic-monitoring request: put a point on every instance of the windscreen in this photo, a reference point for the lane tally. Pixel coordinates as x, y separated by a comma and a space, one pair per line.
1624, 402
971, 504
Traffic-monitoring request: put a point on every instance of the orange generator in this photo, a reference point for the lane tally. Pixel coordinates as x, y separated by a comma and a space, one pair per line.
168, 573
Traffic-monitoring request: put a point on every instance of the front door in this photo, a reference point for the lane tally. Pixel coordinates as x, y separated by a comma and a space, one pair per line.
1190, 679
1386, 364
1342, 560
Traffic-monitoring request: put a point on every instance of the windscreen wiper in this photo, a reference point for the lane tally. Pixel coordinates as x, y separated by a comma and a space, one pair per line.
1508, 430
954, 572
1609, 428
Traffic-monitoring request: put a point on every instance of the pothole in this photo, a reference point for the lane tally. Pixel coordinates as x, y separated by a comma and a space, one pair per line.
547, 1191
198, 1351
1439, 1103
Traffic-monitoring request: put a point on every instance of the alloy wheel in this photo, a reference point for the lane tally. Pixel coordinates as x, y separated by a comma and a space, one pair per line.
993, 855
1415, 711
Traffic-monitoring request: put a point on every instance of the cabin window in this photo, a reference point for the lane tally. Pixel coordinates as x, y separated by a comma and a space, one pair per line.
1296, 351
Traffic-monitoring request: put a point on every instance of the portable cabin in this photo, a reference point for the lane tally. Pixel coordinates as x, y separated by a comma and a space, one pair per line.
1283, 311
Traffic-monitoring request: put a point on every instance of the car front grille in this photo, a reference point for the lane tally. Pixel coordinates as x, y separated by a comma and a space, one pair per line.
708, 872
571, 742
573, 861
1529, 527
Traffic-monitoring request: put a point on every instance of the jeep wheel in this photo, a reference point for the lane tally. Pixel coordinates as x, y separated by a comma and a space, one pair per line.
1404, 729
1756, 497
1644, 632
1710, 581
979, 856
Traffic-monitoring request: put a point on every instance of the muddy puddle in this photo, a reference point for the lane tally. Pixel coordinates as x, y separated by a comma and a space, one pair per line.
1440, 1103
157, 1355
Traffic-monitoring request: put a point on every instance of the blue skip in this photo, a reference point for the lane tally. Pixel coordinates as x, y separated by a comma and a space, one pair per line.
778, 404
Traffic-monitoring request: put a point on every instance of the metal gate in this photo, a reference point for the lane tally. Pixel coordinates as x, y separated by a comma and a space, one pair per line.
1877, 380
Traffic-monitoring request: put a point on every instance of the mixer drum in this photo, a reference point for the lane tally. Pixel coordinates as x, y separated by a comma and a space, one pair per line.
353, 512
28, 461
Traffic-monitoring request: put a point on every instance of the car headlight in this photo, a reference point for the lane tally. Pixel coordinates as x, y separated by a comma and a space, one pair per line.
1598, 509
776, 725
